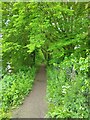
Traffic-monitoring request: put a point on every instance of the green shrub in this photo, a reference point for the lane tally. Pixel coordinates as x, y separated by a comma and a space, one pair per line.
14, 89
67, 92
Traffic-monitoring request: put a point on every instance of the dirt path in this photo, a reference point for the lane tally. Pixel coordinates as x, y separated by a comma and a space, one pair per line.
35, 105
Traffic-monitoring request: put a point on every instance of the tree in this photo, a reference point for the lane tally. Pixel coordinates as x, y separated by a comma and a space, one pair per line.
57, 29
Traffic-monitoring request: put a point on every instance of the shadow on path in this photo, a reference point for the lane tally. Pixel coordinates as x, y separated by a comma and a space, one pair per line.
35, 105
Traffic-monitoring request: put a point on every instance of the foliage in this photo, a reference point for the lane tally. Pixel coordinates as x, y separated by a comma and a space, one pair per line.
14, 89
67, 91
54, 28
56, 32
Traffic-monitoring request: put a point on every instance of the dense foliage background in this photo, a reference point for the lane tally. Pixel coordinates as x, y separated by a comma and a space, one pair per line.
58, 35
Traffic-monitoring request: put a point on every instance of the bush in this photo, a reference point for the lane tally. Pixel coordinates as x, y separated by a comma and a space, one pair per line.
14, 89
67, 92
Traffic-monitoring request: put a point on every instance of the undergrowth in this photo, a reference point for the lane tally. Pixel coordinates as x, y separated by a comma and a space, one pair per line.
14, 89
68, 89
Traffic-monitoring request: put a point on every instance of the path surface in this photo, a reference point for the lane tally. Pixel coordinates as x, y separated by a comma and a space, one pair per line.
35, 105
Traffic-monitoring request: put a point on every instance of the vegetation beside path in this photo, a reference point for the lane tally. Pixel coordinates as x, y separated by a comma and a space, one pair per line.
15, 88
57, 33
68, 89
